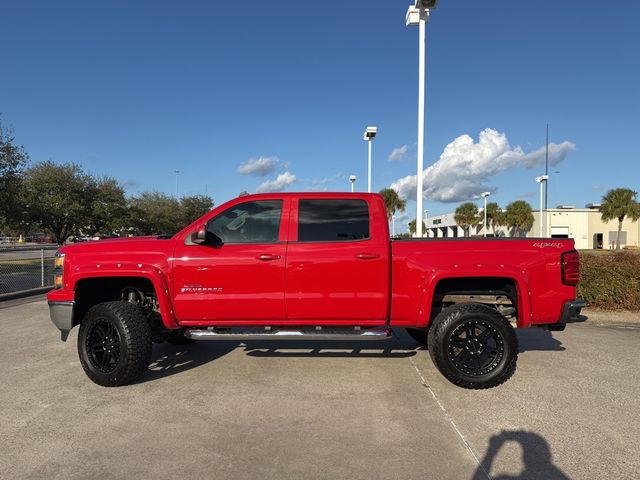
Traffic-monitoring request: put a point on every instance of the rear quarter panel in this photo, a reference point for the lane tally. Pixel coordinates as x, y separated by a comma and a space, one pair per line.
534, 265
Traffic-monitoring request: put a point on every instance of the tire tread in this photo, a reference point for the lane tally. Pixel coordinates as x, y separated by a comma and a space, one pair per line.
136, 337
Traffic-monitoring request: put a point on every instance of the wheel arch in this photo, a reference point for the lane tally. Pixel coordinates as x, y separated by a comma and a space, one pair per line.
92, 289
450, 290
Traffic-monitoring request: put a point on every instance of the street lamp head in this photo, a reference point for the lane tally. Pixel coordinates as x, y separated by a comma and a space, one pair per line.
542, 178
352, 178
430, 4
370, 133
485, 194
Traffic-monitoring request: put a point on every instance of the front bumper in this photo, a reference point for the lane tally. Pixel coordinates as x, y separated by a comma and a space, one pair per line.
570, 314
61, 313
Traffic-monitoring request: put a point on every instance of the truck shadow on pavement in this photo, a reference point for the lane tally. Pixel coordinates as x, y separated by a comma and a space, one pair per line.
538, 339
537, 462
167, 359
170, 359
329, 349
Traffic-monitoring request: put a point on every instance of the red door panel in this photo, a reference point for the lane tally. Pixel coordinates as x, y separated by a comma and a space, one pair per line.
331, 281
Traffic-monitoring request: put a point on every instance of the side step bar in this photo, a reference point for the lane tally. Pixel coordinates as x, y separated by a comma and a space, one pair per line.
269, 333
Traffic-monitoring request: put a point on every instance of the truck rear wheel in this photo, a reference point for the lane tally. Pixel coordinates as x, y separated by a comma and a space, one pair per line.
114, 343
473, 346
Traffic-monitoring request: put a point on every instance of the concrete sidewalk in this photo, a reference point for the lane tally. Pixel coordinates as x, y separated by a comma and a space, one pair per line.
318, 410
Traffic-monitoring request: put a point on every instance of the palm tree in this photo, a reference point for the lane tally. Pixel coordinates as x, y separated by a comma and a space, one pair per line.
467, 215
519, 217
618, 204
412, 227
495, 216
392, 202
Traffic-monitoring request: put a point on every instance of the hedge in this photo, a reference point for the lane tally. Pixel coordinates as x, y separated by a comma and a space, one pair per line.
610, 280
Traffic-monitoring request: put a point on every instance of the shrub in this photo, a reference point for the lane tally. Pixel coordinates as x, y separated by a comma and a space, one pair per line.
610, 281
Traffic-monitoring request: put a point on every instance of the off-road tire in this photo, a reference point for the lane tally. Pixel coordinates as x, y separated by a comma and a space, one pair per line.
418, 334
491, 343
114, 343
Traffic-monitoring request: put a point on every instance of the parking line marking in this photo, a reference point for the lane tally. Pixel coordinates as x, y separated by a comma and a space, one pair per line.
450, 419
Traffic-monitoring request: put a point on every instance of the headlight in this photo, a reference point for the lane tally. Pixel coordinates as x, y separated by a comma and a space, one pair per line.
58, 270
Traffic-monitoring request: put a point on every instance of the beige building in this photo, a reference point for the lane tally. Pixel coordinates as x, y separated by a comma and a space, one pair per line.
585, 226
582, 224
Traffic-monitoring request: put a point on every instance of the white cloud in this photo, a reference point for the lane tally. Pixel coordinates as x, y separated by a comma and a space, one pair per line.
326, 180
465, 167
277, 185
399, 153
260, 166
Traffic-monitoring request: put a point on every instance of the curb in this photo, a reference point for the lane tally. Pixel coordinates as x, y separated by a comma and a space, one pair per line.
24, 293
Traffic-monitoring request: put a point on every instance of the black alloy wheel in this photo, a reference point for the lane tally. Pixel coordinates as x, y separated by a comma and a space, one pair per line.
103, 346
473, 346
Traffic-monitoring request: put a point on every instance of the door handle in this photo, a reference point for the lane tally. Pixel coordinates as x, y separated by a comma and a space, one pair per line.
367, 256
265, 257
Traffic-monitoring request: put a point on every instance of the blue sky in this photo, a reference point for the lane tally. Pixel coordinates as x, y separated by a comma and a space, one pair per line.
283, 90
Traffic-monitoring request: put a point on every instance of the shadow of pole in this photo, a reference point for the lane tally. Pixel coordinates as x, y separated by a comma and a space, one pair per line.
536, 458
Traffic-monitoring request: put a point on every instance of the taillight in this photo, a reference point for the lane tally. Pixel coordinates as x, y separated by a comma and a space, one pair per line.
570, 262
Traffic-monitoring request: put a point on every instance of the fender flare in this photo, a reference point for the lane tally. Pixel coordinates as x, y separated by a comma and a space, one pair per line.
517, 276
127, 269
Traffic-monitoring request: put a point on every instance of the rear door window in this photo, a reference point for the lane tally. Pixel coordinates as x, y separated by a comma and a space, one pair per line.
333, 220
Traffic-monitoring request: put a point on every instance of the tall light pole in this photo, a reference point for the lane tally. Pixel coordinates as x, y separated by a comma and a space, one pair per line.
177, 172
369, 135
485, 195
352, 181
542, 179
418, 14
546, 169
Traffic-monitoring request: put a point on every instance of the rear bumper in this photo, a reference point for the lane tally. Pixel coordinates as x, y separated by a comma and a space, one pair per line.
570, 314
61, 313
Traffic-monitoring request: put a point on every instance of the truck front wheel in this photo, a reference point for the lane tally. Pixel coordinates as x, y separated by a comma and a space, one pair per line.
114, 343
473, 346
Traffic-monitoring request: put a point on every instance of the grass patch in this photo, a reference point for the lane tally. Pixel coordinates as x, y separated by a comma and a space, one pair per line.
611, 280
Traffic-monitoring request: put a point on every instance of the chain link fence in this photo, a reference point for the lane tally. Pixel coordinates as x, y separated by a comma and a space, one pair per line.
26, 268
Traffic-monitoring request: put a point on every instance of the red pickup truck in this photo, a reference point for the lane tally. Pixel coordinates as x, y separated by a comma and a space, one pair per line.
311, 266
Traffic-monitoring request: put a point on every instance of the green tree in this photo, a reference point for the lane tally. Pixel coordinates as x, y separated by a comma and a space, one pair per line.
495, 216
154, 213
466, 215
109, 212
618, 204
392, 202
13, 160
412, 227
194, 207
58, 198
519, 217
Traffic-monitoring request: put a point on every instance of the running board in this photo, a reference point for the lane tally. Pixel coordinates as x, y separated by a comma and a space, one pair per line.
270, 333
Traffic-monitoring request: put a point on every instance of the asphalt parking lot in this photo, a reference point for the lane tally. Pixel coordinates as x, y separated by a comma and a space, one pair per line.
330, 410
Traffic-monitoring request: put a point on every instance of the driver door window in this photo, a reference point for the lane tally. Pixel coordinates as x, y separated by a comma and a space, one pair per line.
250, 222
